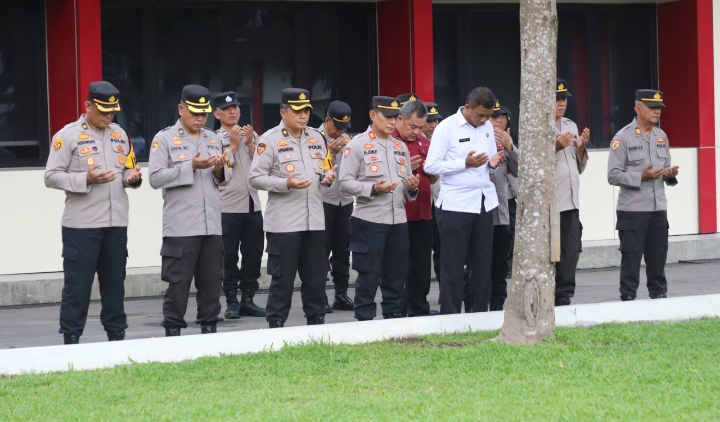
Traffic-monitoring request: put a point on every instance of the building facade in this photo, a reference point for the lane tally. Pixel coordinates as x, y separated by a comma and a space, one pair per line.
350, 50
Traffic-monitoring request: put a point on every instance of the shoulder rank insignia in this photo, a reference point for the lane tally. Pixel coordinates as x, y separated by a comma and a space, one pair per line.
285, 133
371, 134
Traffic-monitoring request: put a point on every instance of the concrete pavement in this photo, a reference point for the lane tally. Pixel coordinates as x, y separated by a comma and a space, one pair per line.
36, 325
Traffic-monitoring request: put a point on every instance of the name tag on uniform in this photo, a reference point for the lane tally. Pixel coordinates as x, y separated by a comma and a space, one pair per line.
465, 140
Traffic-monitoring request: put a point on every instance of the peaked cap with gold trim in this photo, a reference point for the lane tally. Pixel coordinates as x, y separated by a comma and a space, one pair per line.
650, 97
105, 96
296, 98
196, 98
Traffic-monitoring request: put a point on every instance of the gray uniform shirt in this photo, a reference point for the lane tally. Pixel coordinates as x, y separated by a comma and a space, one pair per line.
568, 168
191, 197
331, 194
631, 151
234, 196
278, 155
501, 214
74, 150
368, 159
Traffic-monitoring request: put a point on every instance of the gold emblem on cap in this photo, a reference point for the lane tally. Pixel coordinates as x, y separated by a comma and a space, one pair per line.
202, 99
394, 103
346, 118
561, 86
412, 98
302, 96
112, 98
433, 110
657, 95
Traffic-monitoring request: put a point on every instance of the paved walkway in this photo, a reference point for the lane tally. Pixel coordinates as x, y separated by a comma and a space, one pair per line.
37, 325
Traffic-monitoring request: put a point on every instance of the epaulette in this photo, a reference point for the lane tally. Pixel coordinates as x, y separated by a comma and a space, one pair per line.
308, 129
167, 128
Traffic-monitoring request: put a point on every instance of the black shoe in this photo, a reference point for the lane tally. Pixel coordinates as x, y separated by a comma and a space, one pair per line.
625, 298
247, 306
232, 311
434, 312
659, 296
316, 320
71, 338
497, 304
562, 301
276, 324
172, 332
363, 319
327, 308
208, 329
116, 335
394, 315
342, 301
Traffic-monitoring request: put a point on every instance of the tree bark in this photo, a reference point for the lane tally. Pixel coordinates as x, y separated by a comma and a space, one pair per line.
530, 311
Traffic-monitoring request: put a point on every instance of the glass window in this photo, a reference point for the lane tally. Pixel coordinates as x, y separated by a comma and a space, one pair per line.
445, 60
23, 100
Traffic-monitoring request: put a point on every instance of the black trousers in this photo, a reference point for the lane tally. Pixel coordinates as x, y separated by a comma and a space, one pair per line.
246, 231
417, 286
466, 238
337, 242
289, 254
436, 244
643, 233
512, 207
380, 256
570, 248
500, 263
185, 258
85, 252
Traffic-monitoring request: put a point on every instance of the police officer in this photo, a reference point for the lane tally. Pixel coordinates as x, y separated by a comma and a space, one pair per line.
570, 160
639, 163
338, 206
290, 164
242, 222
433, 119
187, 163
93, 161
376, 170
500, 119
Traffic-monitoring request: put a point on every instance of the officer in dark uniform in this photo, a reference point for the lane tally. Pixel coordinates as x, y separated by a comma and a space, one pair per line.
242, 221
93, 161
640, 164
338, 206
187, 163
376, 170
291, 164
433, 119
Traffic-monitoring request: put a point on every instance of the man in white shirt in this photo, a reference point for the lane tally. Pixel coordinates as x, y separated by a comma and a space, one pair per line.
463, 154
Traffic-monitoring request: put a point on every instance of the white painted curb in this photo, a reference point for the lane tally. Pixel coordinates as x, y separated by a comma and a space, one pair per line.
176, 349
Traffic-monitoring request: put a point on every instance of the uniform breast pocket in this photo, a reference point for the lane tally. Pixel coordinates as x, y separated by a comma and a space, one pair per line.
289, 162
401, 166
88, 155
179, 157
120, 150
373, 165
662, 153
636, 155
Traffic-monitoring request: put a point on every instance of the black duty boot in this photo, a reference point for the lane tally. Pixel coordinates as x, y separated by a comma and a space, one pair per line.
394, 315
659, 296
247, 306
232, 311
496, 304
562, 301
276, 324
71, 338
316, 320
328, 308
342, 300
116, 335
208, 329
625, 298
172, 332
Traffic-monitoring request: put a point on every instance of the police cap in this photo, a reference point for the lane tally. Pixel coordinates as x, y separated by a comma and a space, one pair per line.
340, 114
388, 106
408, 97
499, 110
196, 98
433, 112
225, 99
650, 97
105, 96
561, 90
296, 98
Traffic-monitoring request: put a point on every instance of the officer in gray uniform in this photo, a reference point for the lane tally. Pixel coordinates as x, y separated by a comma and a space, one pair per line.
187, 163
376, 170
242, 221
93, 161
570, 160
639, 163
501, 215
338, 207
290, 164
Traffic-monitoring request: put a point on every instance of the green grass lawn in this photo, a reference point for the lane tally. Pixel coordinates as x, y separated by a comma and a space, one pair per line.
633, 372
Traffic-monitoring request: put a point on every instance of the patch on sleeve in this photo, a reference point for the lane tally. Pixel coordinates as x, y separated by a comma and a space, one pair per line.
155, 146
57, 144
346, 153
260, 148
615, 144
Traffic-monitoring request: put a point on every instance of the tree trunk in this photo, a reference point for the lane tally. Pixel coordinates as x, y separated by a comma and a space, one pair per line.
530, 311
